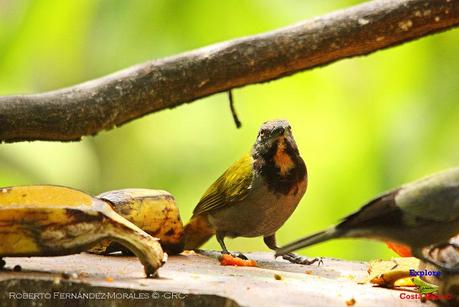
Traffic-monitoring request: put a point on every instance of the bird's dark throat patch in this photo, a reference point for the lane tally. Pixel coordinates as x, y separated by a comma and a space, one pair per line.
282, 167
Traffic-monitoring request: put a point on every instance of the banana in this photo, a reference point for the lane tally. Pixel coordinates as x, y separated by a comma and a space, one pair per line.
405, 282
392, 273
154, 211
388, 279
53, 220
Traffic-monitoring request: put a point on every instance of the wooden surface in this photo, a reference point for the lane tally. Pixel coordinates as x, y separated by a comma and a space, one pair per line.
191, 280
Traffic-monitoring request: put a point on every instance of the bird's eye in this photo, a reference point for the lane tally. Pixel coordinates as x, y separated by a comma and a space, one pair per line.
262, 132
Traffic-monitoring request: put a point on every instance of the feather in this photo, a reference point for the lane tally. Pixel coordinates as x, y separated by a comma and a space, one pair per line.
229, 188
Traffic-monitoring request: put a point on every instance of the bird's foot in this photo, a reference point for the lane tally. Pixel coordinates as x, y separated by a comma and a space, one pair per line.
236, 255
454, 245
294, 258
446, 269
443, 245
450, 270
241, 256
441, 265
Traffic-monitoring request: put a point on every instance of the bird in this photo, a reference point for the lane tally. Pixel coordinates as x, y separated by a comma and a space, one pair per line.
420, 214
400, 249
254, 196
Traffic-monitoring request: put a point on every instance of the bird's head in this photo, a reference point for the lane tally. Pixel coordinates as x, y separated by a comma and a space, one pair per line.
275, 143
272, 134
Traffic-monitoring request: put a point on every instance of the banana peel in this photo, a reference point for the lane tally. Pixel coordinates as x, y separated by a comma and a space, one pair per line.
154, 211
46, 220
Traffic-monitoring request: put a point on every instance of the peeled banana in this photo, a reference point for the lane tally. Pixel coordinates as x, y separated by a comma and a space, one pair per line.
388, 279
154, 211
48, 220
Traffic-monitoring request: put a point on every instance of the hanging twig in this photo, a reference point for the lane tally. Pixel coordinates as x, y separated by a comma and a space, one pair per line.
233, 110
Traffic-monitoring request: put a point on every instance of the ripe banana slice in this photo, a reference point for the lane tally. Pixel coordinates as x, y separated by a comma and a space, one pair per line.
390, 278
53, 220
154, 211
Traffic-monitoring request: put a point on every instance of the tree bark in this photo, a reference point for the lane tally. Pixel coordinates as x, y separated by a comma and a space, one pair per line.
84, 109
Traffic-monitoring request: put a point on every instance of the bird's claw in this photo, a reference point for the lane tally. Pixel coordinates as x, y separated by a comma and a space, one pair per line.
241, 256
450, 270
442, 245
441, 265
237, 255
320, 262
293, 258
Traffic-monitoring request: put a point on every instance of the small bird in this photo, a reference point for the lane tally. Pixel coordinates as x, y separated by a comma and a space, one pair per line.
255, 196
419, 214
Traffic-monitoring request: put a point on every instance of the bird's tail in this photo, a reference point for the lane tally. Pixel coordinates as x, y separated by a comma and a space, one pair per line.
318, 237
198, 231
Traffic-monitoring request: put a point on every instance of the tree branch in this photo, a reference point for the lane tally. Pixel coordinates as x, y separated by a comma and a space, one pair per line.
84, 109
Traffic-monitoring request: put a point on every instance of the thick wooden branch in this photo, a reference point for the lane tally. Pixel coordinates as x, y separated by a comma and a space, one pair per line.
194, 280
84, 109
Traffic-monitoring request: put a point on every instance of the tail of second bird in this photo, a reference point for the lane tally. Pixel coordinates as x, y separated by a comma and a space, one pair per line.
318, 237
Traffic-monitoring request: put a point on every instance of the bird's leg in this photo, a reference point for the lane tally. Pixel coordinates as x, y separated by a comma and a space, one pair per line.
221, 240
445, 244
417, 252
270, 242
441, 246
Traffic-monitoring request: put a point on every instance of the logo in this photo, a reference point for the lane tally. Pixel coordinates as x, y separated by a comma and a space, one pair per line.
421, 274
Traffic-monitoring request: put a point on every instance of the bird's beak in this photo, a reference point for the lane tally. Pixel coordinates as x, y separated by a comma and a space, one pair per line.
285, 132
280, 131
287, 135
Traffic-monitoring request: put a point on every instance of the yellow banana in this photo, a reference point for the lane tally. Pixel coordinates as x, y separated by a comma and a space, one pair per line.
405, 282
154, 211
53, 220
389, 278
392, 273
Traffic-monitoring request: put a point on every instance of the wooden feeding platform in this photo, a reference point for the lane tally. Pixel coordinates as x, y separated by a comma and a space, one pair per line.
189, 280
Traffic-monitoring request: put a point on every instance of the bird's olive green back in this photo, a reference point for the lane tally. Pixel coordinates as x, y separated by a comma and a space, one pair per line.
433, 198
231, 187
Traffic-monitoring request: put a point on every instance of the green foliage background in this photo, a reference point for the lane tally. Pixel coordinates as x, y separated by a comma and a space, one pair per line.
363, 125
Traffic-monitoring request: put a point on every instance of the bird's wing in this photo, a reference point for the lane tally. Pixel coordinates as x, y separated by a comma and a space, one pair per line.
381, 211
434, 198
231, 187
